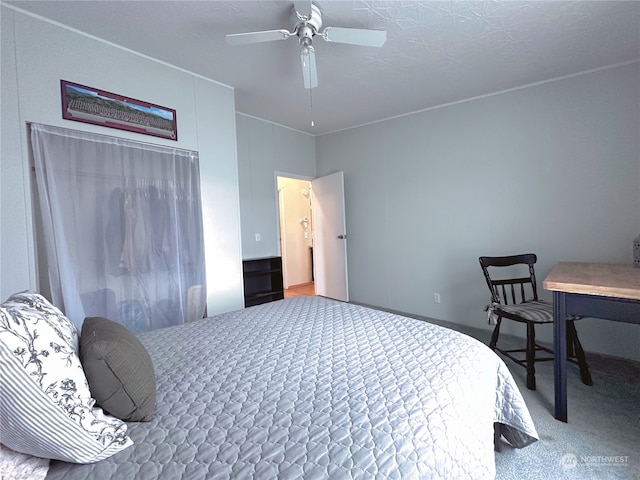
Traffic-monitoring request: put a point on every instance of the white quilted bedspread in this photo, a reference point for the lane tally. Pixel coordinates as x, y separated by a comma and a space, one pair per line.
313, 388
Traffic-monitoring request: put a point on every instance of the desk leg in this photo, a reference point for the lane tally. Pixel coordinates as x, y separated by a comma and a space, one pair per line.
560, 354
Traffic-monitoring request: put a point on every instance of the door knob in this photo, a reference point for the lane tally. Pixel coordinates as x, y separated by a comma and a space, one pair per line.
342, 237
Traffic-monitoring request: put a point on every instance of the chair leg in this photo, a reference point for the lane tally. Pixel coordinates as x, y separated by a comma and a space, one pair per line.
494, 335
531, 356
571, 351
572, 333
497, 437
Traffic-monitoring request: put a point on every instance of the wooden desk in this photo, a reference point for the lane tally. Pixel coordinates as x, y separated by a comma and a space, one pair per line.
600, 290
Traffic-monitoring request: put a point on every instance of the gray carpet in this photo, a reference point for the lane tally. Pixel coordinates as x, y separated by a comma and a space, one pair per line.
602, 437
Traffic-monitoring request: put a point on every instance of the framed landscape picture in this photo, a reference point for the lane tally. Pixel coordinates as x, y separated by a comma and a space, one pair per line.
90, 105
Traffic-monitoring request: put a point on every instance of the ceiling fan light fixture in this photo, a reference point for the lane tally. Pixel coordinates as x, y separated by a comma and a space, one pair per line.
305, 45
309, 72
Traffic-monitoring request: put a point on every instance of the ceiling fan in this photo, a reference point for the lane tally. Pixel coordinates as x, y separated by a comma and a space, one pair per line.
307, 20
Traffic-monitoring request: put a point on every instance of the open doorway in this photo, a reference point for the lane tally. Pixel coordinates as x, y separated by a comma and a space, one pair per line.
296, 235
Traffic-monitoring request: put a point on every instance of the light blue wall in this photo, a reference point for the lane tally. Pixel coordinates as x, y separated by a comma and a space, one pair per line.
552, 169
17, 270
36, 55
265, 149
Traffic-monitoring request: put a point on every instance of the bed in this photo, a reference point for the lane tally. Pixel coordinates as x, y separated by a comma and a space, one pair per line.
314, 388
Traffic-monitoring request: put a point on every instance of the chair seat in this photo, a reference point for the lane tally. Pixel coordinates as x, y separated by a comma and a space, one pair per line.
537, 311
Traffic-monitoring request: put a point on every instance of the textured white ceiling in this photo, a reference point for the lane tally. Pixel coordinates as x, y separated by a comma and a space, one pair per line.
436, 52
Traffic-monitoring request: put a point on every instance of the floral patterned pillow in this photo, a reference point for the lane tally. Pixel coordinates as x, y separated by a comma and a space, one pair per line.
46, 408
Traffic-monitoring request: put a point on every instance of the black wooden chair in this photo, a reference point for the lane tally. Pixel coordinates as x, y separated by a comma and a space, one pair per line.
516, 298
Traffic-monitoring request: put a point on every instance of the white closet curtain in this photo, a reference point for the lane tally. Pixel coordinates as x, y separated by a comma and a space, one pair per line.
122, 226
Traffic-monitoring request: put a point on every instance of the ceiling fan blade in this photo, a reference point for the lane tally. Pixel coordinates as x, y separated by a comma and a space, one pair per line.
355, 36
257, 37
303, 8
309, 72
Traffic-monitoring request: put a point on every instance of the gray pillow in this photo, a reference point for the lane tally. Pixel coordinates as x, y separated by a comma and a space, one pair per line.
119, 370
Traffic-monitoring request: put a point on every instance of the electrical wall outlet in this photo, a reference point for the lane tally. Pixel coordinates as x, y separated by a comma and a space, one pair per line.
436, 298
257, 237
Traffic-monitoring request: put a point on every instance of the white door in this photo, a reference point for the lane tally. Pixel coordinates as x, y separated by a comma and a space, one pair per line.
329, 237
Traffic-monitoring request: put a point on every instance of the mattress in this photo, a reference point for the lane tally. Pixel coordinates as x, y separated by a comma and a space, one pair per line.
314, 388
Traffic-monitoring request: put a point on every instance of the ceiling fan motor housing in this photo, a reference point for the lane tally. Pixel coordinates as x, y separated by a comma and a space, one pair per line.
307, 27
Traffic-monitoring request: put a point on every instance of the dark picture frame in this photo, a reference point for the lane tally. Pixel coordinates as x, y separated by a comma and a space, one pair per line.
99, 107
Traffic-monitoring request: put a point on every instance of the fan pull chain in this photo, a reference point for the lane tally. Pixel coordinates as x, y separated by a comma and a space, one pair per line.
311, 105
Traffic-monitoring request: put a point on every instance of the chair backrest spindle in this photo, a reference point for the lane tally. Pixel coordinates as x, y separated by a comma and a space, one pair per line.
505, 291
